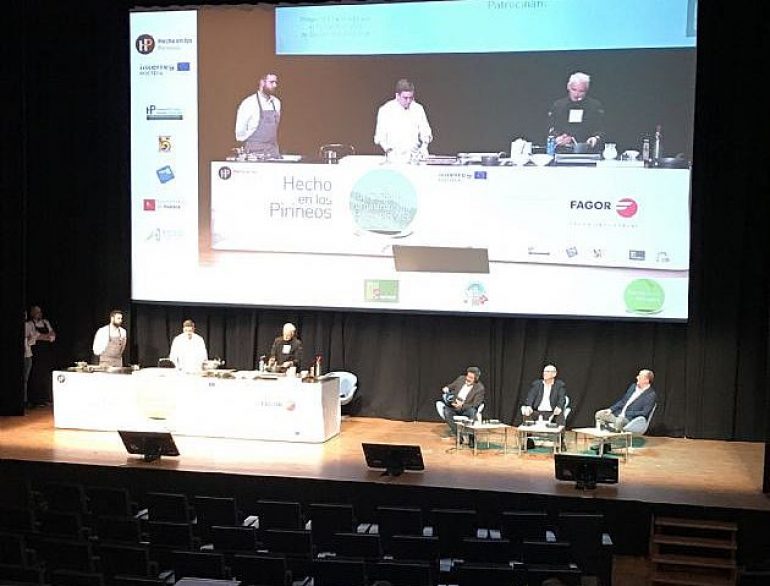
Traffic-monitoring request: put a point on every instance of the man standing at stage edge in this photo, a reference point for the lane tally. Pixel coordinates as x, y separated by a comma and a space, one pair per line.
110, 341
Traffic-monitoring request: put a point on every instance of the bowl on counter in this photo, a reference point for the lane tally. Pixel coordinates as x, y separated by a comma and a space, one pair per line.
541, 159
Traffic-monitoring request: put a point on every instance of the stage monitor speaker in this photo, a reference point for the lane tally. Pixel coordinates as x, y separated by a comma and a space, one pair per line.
393, 458
586, 471
150, 444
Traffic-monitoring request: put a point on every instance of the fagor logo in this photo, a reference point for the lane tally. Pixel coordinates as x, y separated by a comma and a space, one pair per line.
626, 207
145, 44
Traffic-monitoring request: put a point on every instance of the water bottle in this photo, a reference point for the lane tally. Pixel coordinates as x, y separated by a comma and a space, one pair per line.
550, 145
262, 363
657, 146
646, 156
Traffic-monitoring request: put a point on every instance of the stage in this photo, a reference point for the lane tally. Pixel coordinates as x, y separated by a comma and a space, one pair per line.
665, 471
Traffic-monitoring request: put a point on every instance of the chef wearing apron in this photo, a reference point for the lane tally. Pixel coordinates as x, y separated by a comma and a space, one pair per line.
110, 341
257, 120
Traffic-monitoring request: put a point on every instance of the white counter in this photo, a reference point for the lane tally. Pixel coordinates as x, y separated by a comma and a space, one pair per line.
283, 409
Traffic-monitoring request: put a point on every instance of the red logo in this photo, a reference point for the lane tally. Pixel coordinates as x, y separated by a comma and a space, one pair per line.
626, 208
149, 205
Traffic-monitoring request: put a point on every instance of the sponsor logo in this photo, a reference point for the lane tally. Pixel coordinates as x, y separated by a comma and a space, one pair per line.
165, 174
475, 294
662, 256
626, 207
163, 234
145, 44
160, 69
164, 144
152, 112
60, 378
459, 176
571, 251
637, 254
381, 290
156, 205
577, 204
598, 252
644, 296
534, 251
225, 173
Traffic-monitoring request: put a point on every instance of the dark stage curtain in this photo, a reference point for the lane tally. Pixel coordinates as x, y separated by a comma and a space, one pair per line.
711, 372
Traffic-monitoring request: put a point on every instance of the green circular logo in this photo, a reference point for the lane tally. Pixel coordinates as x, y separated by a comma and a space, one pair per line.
383, 201
644, 296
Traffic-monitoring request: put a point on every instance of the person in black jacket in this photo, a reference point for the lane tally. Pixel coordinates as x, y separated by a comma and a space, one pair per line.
463, 396
546, 398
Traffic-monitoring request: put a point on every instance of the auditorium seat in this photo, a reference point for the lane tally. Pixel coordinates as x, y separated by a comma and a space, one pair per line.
138, 581
64, 554
166, 537
117, 530
261, 570
398, 521
212, 510
473, 574
296, 543
13, 549
451, 526
17, 519
279, 514
74, 578
516, 526
568, 576
198, 564
21, 575
338, 572
486, 550
107, 501
127, 560
233, 539
65, 497
557, 553
356, 545
165, 506
62, 524
414, 547
326, 520
402, 573
591, 547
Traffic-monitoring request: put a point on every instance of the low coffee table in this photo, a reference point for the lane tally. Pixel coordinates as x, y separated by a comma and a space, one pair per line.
477, 431
540, 429
605, 435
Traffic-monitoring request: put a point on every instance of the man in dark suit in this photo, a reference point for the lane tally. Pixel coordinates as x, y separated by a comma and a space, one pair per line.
463, 396
639, 399
546, 397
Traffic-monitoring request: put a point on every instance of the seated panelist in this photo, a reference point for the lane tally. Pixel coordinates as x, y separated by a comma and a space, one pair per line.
463, 396
546, 398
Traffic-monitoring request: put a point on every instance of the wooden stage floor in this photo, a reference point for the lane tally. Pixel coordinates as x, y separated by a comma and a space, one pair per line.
663, 470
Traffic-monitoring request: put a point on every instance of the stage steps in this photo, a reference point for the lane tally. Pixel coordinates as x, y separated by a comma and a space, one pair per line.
693, 552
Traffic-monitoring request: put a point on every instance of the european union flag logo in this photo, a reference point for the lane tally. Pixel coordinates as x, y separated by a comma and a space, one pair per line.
165, 174
183, 66
479, 174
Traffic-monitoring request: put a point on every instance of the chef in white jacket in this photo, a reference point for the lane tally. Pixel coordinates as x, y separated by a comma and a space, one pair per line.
188, 349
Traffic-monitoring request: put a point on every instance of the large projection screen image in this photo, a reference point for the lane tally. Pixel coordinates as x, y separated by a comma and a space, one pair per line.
528, 157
